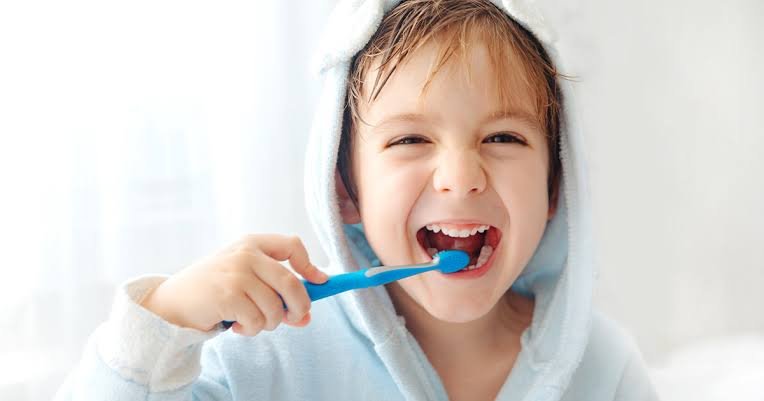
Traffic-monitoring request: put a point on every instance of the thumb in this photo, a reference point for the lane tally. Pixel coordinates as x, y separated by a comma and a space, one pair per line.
316, 276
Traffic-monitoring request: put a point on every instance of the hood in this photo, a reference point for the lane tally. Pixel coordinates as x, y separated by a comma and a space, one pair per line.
559, 276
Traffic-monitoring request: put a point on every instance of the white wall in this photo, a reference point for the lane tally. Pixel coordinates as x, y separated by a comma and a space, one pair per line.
672, 103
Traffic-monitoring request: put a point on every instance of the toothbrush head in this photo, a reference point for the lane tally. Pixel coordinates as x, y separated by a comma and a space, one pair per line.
451, 261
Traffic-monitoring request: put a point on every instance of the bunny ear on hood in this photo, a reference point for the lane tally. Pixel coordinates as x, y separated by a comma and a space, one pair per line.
560, 275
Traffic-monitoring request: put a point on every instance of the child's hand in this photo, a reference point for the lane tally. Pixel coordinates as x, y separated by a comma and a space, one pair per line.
240, 283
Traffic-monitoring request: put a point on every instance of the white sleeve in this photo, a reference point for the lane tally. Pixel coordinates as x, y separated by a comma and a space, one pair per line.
143, 347
136, 353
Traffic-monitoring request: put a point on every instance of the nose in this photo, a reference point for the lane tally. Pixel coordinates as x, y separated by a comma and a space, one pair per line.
459, 173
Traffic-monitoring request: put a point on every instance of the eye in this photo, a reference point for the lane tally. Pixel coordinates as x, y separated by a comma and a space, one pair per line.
504, 138
409, 140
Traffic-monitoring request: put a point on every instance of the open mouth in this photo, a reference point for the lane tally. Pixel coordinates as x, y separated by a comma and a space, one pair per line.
479, 242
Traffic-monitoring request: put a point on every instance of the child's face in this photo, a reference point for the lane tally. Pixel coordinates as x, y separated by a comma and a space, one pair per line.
454, 170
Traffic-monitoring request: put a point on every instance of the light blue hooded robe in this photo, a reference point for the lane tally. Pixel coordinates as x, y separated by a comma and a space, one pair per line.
356, 346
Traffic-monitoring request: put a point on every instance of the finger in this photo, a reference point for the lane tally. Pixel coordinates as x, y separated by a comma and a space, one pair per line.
283, 247
302, 323
249, 319
267, 301
286, 284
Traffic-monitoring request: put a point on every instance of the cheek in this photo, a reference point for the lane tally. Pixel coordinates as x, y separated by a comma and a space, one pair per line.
524, 196
522, 186
525, 189
386, 178
388, 190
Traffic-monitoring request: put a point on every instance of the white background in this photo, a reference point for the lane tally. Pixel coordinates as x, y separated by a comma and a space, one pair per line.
138, 137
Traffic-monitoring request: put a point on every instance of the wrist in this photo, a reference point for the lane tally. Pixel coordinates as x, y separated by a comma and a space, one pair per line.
153, 302
157, 302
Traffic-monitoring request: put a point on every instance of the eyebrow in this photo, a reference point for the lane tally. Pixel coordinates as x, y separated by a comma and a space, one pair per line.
519, 115
401, 118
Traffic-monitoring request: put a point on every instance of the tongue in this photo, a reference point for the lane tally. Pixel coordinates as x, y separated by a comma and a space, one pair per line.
471, 244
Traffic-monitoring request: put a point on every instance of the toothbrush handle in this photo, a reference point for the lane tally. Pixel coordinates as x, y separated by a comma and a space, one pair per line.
337, 284
334, 285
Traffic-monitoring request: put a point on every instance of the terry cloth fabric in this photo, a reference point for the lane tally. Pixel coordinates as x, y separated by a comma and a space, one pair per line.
357, 347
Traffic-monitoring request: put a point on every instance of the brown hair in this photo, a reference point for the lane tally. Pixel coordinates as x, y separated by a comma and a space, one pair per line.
510, 46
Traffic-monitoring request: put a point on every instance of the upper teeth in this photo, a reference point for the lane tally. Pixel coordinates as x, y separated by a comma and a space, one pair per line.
457, 233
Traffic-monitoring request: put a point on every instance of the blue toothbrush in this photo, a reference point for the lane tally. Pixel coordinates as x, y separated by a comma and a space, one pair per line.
449, 261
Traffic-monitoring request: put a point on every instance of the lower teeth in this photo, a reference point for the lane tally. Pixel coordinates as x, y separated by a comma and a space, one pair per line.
485, 253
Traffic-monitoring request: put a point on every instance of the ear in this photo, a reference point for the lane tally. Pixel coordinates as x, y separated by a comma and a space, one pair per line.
348, 210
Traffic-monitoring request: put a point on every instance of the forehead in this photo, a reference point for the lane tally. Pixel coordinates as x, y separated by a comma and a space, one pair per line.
470, 82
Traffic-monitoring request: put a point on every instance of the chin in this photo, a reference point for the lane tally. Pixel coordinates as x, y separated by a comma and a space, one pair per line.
458, 312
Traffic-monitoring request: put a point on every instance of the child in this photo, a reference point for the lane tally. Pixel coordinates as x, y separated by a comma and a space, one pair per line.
441, 125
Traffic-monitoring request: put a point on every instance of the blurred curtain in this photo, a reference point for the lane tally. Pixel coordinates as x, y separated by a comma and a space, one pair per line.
138, 137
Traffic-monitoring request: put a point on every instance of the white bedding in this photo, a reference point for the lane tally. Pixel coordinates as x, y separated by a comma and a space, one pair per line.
723, 369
